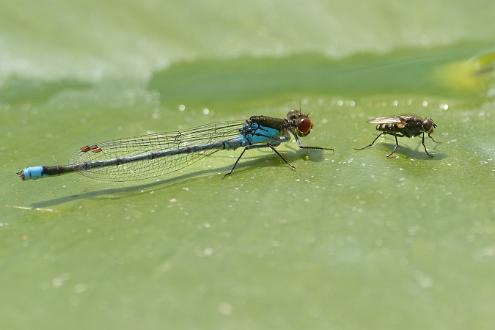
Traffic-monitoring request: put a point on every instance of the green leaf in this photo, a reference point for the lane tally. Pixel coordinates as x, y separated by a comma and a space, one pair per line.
349, 240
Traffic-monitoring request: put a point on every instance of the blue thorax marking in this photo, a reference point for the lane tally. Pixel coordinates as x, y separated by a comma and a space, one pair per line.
252, 133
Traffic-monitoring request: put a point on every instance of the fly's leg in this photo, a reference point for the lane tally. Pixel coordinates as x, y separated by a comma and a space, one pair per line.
423, 143
431, 137
372, 143
396, 146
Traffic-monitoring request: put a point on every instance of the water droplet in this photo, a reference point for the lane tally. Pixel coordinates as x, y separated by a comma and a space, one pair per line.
155, 114
225, 308
424, 281
79, 288
59, 280
208, 252
488, 251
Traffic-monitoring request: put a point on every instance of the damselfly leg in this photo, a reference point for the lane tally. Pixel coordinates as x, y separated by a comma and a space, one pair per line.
301, 146
256, 146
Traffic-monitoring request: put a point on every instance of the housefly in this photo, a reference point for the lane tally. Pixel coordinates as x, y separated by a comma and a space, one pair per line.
403, 126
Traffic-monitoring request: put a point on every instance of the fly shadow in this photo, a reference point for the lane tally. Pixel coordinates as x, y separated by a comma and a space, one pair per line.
417, 153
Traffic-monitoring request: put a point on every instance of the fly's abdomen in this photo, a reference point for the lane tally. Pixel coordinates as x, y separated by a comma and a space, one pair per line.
390, 127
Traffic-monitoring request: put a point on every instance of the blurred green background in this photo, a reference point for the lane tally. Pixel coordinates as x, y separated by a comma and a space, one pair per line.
350, 240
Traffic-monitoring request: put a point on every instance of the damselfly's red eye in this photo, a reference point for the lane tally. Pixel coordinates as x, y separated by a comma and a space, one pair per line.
304, 126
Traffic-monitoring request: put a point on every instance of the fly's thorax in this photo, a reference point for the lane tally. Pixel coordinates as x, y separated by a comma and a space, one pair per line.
412, 125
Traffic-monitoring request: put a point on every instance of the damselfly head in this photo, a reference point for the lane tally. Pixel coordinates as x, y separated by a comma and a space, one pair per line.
301, 123
429, 125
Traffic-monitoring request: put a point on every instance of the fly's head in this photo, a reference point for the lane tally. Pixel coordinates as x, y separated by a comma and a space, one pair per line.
429, 125
299, 123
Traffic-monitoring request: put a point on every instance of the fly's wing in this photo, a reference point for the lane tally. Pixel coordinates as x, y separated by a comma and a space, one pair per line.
398, 122
409, 118
151, 143
385, 120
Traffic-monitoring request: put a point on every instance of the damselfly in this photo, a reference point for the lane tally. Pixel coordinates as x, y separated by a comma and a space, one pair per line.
403, 126
154, 155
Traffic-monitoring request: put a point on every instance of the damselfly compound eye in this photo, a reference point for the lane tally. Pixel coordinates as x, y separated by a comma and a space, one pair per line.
304, 126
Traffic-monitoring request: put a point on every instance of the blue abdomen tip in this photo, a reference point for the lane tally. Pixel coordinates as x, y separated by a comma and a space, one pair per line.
32, 173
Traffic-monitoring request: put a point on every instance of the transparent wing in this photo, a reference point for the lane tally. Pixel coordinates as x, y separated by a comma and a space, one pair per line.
385, 120
148, 168
406, 118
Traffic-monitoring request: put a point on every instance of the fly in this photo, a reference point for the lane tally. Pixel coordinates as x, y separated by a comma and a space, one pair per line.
403, 126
